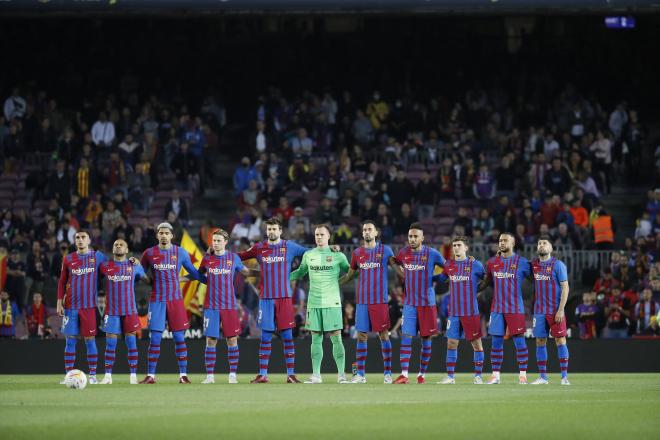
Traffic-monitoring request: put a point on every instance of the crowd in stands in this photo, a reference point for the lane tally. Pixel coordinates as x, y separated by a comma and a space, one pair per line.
114, 166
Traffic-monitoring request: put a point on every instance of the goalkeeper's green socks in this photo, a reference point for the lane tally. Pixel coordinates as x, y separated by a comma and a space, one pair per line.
317, 353
339, 353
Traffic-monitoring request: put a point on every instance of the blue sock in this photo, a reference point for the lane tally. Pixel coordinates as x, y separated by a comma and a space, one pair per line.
562, 352
452, 355
131, 345
497, 353
542, 360
181, 351
232, 357
404, 354
154, 351
361, 357
386, 351
264, 351
478, 362
110, 349
69, 354
289, 351
92, 355
521, 352
425, 356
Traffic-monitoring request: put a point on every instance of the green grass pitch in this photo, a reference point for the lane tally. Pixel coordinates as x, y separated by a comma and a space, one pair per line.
595, 406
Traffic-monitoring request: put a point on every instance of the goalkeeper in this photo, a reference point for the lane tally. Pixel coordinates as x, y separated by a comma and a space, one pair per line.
323, 302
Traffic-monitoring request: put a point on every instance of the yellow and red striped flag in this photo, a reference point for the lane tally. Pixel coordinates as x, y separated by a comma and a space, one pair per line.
193, 291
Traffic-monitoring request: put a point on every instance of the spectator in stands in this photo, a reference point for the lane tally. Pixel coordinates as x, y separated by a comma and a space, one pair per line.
463, 221
400, 190
580, 215
59, 185
484, 222
178, 206
284, 210
301, 143
550, 210
38, 267
247, 229
186, 169
9, 315
15, 281
604, 229
617, 314
15, 106
645, 310
557, 180
103, 131
242, 176
36, 317
587, 315
484, 186
403, 219
130, 150
326, 213
602, 151
298, 218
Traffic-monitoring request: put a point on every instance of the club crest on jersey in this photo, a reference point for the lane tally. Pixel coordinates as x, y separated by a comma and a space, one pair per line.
129, 269
379, 256
466, 269
173, 257
328, 259
548, 269
513, 266
229, 263
92, 260
424, 258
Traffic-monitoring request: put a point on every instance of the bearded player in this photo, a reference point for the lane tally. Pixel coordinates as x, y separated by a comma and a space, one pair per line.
121, 312
166, 302
550, 296
369, 262
417, 263
506, 272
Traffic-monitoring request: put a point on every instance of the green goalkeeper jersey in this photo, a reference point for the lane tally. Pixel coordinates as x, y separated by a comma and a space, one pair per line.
324, 268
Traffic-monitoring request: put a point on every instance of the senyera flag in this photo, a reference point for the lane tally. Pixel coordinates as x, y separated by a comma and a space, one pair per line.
193, 291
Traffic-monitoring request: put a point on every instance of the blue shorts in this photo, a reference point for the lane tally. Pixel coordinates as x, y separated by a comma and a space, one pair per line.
424, 318
372, 318
116, 324
171, 312
225, 320
545, 325
81, 322
275, 314
501, 322
454, 328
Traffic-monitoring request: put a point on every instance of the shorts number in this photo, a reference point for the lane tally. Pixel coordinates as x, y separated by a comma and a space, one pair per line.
149, 317
206, 323
448, 323
105, 320
259, 316
534, 322
65, 321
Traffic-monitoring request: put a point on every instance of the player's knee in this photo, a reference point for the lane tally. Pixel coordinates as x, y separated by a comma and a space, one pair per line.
232, 342
384, 335
477, 345
560, 341
452, 344
212, 342
362, 337
540, 342
89, 338
111, 335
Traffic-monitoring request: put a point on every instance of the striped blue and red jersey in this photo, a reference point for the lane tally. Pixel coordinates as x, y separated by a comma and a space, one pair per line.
79, 279
418, 270
507, 275
220, 271
547, 288
275, 264
120, 279
165, 265
464, 277
371, 265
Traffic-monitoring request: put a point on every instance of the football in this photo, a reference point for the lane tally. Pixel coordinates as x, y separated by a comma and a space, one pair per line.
75, 379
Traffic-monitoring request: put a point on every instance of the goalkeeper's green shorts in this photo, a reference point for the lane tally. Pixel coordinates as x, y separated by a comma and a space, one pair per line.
325, 319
